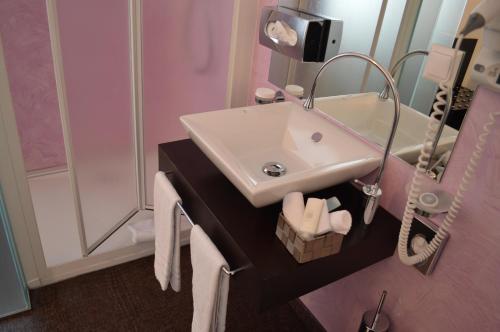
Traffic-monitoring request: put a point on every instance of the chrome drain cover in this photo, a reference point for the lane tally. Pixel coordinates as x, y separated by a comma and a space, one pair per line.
274, 168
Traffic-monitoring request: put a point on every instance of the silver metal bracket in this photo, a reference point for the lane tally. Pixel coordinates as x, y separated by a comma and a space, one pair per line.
225, 270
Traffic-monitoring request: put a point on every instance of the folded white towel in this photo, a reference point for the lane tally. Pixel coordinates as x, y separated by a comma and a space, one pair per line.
312, 215
167, 233
293, 209
142, 230
210, 284
324, 221
341, 221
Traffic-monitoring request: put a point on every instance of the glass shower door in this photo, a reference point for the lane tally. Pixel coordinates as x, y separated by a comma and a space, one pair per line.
95, 52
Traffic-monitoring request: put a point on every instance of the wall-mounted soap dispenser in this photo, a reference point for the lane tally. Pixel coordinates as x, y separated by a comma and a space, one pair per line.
301, 36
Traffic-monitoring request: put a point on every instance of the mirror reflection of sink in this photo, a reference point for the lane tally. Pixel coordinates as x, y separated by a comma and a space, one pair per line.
371, 117
316, 153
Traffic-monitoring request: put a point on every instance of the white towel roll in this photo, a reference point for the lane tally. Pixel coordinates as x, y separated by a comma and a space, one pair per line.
341, 221
311, 218
293, 209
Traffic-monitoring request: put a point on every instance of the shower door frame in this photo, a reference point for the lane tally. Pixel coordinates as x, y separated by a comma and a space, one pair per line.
135, 72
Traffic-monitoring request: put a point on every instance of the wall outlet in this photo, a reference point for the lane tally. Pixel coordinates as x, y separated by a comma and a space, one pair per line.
426, 229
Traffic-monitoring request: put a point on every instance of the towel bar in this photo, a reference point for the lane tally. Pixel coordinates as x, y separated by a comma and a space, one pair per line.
226, 271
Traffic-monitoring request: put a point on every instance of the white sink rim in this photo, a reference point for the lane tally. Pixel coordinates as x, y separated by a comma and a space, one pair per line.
360, 159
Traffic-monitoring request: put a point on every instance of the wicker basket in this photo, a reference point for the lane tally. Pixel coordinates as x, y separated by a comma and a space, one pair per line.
302, 250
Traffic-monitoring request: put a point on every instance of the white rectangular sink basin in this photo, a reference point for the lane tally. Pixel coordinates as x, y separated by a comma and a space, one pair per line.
240, 141
371, 117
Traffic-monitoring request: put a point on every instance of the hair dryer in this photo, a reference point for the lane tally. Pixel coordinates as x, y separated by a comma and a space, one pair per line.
486, 69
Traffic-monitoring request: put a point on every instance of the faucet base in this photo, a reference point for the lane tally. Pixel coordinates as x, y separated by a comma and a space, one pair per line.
372, 196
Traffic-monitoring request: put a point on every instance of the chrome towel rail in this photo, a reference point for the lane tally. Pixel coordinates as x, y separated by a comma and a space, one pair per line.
226, 271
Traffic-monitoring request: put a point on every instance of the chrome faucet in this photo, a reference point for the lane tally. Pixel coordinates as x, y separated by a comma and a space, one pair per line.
373, 192
449, 96
385, 93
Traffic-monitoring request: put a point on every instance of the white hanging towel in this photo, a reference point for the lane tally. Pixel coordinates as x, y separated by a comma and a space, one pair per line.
210, 284
167, 233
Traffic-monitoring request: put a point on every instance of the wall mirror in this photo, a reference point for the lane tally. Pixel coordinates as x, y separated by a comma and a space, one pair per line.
386, 30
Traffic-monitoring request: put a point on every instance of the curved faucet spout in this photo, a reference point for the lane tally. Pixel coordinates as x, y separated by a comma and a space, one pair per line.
373, 191
385, 93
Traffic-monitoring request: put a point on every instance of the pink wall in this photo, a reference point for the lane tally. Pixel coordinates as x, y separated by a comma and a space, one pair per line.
186, 56
25, 37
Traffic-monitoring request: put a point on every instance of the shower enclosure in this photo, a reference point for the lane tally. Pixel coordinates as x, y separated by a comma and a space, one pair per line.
108, 81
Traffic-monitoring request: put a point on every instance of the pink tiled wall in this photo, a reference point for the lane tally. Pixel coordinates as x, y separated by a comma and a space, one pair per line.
25, 37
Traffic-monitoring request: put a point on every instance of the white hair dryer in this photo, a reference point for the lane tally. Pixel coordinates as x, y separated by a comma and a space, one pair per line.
486, 70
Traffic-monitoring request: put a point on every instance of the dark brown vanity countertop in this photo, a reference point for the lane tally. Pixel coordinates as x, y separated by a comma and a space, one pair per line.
245, 234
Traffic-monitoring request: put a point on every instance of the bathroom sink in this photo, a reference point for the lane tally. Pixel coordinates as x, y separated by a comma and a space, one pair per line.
315, 152
371, 117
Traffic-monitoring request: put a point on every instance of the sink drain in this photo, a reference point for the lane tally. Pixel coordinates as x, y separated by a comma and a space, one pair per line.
274, 168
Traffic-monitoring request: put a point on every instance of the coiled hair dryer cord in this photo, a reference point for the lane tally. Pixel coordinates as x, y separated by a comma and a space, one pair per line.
420, 175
